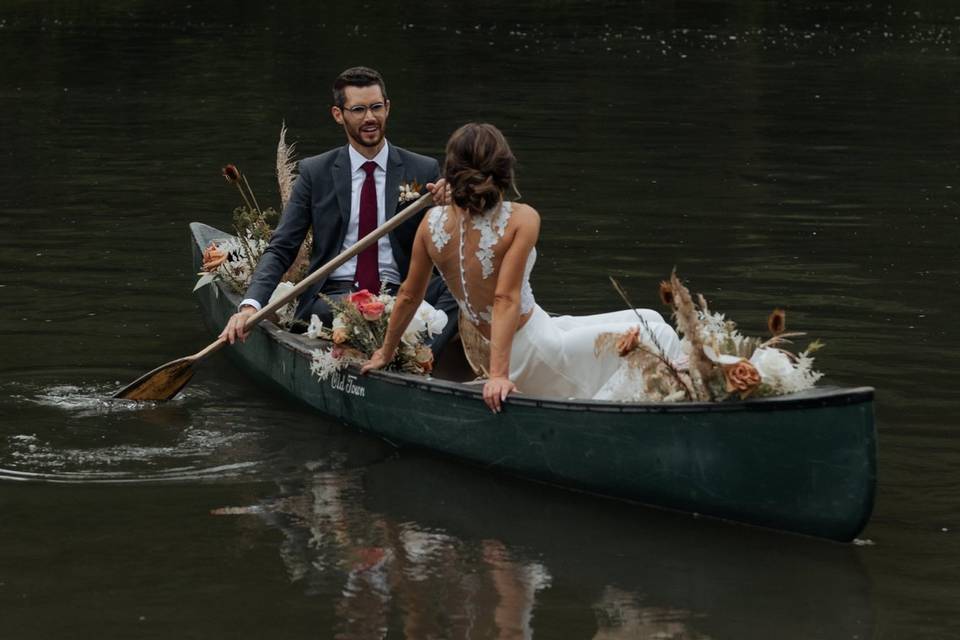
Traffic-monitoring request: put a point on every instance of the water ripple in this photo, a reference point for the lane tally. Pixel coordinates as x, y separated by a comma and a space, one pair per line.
78, 433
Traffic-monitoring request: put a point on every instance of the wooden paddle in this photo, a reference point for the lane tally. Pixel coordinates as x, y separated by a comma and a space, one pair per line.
168, 379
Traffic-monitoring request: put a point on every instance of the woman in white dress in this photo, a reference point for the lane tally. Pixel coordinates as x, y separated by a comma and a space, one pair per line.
485, 249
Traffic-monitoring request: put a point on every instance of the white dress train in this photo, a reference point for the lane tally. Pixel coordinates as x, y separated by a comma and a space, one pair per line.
556, 356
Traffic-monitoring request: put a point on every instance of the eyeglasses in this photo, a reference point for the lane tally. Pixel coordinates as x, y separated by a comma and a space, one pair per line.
360, 110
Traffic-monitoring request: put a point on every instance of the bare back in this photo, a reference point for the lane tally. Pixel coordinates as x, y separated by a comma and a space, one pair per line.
469, 251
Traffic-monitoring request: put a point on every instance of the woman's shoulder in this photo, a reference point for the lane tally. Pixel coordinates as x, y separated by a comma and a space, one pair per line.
524, 215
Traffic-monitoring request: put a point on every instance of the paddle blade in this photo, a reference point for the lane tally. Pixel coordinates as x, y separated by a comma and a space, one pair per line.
162, 383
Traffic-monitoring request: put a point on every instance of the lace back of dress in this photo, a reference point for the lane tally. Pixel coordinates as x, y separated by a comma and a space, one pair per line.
468, 251
478, 257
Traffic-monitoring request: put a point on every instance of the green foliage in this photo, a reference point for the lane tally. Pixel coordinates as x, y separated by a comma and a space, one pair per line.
253, 224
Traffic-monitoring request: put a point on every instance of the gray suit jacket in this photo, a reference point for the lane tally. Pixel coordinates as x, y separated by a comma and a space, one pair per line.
321, 200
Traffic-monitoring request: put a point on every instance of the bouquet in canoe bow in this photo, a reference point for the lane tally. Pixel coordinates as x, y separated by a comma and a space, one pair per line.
718, 363
233, 260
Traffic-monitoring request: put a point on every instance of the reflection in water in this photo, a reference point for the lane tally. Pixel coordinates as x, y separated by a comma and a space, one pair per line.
436, 550
621, 615
439, 585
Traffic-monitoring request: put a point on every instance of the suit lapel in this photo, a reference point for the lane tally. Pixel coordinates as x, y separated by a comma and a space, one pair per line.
342, 181
394, 176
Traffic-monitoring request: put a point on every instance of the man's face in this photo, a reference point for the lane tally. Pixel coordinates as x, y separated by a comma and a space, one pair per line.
363, 116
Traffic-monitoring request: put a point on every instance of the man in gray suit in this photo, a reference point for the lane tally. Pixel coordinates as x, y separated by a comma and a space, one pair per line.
342, 195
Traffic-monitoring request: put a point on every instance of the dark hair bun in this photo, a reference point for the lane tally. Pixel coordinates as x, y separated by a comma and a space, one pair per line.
479, 167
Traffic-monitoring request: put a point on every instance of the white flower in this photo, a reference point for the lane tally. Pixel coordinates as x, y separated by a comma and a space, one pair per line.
388, 302
411, 334
315, 327
435, 319
409, 192
719, 358
339, 322
323, 364
426, 320
773, 365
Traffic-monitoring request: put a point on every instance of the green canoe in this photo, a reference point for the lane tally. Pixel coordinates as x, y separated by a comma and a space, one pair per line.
804, 463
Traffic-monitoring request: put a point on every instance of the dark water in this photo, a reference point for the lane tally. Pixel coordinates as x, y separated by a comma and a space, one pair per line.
778, 153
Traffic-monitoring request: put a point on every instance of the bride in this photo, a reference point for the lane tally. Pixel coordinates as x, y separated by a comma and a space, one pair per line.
485, 249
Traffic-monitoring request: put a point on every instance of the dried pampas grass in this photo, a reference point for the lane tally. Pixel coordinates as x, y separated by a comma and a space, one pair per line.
688, 324
286, 176
286, 166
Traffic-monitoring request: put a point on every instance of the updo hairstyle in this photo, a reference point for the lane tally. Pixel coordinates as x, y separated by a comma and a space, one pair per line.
478, 167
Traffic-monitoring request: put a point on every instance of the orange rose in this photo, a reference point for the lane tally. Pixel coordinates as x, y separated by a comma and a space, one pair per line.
340, 335
424, 357
742, 377
213, 257
628, 341
371, 310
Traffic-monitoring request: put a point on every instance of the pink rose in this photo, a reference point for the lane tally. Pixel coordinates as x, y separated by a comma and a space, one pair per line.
371, 310
361, 297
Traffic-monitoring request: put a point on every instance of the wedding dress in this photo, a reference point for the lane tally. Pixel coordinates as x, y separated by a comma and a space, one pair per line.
553, 356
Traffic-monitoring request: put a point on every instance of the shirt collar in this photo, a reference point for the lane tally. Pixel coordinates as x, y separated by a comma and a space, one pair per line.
357, 160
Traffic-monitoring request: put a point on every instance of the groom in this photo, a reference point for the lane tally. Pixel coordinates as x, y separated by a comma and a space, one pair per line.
342, 195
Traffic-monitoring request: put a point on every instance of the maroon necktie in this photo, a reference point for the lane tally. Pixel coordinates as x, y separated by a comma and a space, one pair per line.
368, 262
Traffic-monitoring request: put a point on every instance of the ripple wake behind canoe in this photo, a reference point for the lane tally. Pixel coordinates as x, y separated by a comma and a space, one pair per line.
77, 433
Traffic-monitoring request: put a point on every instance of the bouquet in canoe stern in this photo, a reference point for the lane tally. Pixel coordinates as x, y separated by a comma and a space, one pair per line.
234, 260
719, 362
359, 326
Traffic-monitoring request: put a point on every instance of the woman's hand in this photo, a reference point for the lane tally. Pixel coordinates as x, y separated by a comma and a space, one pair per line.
495, 391
440, 191
377, 361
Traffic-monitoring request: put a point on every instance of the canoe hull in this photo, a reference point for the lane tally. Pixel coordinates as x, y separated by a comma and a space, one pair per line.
805, 464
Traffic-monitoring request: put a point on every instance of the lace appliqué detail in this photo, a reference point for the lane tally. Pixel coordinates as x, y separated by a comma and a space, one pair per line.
491, 226
437, 223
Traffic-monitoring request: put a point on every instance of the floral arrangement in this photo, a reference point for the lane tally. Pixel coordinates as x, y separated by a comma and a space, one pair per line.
234, 260
719, 362
409, 191
359, 326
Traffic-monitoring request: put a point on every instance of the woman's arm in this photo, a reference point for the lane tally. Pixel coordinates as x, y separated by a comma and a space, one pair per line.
506, 306
408, 301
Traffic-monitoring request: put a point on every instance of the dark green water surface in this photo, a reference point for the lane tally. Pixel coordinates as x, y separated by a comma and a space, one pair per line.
798, 154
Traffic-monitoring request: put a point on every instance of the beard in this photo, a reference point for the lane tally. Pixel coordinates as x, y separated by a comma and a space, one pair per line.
366, 139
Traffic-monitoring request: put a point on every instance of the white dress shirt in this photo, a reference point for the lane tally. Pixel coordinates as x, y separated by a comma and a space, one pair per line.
389, 271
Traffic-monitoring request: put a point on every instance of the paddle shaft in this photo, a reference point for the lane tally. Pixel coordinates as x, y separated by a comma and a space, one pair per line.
324, 271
